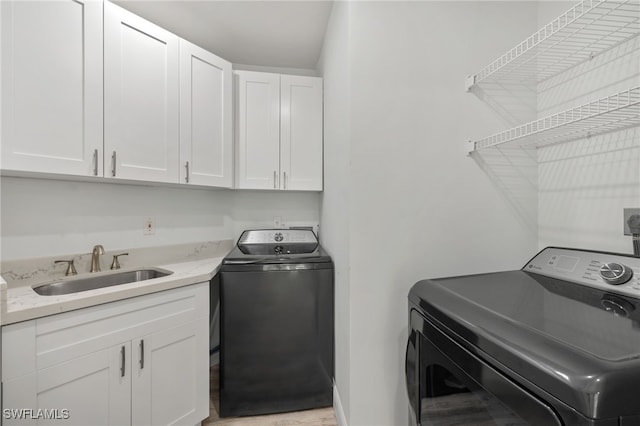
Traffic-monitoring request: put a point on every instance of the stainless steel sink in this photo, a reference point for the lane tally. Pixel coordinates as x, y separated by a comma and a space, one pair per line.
75, 285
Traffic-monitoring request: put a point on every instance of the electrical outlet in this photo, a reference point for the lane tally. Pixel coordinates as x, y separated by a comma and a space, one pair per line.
628, 213
149, 226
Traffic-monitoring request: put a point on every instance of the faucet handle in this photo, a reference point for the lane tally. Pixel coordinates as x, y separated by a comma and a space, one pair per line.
71, 270
115, 264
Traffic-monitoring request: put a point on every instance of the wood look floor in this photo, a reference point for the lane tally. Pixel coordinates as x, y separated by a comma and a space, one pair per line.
317, 417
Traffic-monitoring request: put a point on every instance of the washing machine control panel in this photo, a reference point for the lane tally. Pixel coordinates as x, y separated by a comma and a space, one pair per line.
611, 272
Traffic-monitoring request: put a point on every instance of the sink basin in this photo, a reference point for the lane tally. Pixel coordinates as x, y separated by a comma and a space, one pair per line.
76, 285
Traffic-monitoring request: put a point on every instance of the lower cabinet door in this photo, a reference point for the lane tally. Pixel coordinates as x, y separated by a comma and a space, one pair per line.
171, 376
91, 390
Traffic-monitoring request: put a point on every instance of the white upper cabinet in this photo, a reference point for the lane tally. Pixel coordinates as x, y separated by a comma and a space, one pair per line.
301, 133
90, 89
206, 108
52, 86
141, 95
258, 130
279, 131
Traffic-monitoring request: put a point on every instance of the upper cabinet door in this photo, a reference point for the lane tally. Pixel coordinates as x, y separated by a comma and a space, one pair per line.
206, 108
141, 98
52, 86
258, 130
301, 132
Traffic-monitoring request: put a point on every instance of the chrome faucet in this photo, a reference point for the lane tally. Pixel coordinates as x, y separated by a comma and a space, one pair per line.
95, 258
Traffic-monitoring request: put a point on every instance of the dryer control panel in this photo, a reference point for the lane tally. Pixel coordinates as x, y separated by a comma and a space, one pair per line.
607, 271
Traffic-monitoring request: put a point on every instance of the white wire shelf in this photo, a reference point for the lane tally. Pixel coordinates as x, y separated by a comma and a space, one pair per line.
615, 112
585, 30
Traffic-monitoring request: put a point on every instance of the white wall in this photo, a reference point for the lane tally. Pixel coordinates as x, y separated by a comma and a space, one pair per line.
584, 185
335, 207
49, 217
417, 206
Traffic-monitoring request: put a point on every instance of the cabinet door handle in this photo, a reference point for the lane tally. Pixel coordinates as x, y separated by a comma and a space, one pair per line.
113, 164
186, 166
142, 354
122, 355
95, 162
285, 180
274, 180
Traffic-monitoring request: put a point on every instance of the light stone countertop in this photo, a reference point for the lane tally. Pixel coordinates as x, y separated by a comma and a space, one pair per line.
22, 303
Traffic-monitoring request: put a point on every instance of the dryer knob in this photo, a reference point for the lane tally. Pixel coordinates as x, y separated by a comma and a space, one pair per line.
615, 273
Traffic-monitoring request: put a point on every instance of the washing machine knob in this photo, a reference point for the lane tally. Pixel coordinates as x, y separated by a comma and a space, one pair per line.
617, 305
615, 273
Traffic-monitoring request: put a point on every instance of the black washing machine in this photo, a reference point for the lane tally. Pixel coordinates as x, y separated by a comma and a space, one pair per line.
555, 343
276, 324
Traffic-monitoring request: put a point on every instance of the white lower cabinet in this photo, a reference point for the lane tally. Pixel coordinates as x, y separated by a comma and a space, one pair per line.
165, 382
141, 361
90, 390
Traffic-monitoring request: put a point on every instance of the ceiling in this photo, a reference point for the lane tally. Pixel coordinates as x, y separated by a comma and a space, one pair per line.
268, 33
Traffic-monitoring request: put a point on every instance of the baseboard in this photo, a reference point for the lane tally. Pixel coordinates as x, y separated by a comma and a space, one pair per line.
214, 358
337, 407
